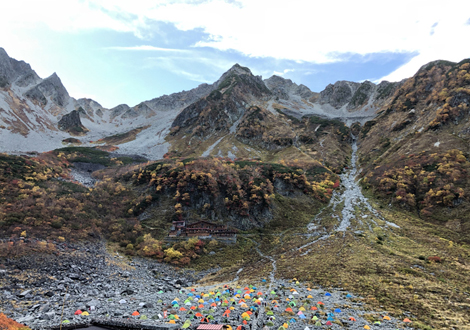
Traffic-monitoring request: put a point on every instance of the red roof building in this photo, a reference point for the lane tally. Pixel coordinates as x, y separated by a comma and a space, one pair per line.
200, 228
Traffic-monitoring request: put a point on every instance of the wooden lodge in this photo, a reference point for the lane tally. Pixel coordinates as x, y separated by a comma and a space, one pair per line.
201, 229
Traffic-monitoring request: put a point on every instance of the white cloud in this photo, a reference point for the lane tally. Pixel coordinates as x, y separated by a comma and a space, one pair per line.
319, 31
148, 48
299, 30
283, 72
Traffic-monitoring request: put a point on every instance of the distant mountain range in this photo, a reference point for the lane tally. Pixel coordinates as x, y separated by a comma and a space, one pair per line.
38, 114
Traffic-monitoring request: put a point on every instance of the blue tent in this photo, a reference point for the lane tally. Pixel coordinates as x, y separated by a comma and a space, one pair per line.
292, 320
211, 300
302, 316
331, 314
337, 310
330, 318
348, 295
174, 302
190, 294
328, 294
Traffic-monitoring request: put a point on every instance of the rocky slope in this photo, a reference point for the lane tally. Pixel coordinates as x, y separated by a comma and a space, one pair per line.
31, 109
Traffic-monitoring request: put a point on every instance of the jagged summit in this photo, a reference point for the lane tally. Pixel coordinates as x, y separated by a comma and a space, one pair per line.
50, 88
11, 69
284, 88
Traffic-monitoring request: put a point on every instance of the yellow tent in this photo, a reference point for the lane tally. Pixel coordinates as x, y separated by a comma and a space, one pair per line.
176, 299
244, 306
302, 309
245, 314
200, 301
85, 313
386, 317
172, 322
232, 308
309, 296
285, 325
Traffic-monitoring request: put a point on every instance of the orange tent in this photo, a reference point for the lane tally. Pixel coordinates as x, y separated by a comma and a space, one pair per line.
386, 317
136, 313
407, 320
172, 322
201, 306
213, 305
352, 319
193, 289
288, 309
198, 315
320, 303
246, 288
260, 293
244, 322
249, 312
242, 300
193, 307
183, 309
313, 308
226, 301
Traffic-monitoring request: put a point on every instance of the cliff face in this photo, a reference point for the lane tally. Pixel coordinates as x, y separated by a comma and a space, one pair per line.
71, 123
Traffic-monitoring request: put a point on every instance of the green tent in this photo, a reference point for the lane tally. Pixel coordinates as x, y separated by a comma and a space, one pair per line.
270, 313
143, 317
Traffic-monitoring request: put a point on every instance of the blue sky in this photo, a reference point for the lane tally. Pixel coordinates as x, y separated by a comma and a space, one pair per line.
124, 51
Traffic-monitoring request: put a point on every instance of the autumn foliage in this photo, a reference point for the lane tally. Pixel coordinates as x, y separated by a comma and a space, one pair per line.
426, 181
9, 324
241, 187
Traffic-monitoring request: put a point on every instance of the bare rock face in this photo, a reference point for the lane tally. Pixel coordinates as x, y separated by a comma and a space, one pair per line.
11, 69
285, 88
50, 88
118, 110
226, 104
338, 94
71, 123
362, 94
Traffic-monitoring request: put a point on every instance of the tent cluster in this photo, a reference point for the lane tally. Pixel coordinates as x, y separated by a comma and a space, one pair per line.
288, 306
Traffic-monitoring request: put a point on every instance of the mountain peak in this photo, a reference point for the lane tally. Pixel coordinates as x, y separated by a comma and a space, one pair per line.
237, 68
